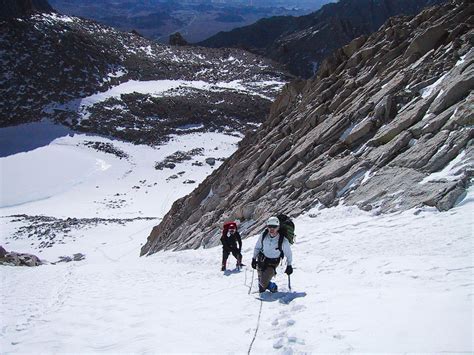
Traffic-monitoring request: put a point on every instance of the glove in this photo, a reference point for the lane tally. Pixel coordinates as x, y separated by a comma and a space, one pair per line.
289, 270
254, 263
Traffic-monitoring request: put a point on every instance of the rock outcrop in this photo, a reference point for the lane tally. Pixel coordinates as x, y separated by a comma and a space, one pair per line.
46, 232
176, 39
19, 8
18, 259
302, 43
386, 125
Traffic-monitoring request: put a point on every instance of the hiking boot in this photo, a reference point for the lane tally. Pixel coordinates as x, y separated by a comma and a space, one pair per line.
272, 287
223, 268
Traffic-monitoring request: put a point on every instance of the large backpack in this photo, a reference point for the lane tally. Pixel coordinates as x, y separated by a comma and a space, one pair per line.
227, 225
286, 230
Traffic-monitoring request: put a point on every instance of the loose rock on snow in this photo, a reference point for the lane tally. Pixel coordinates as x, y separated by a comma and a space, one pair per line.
18, 259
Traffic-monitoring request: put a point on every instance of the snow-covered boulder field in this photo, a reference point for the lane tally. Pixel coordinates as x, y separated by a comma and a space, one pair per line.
96, 79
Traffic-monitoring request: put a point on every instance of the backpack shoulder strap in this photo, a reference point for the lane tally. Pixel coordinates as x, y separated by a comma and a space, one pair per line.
280, 245
265, 232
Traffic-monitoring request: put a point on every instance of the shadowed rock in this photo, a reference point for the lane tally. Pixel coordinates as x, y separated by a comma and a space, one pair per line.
176, 39
18, 259
20, 8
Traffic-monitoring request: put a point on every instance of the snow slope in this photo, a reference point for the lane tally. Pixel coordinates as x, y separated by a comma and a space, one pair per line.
363, 283
89, 177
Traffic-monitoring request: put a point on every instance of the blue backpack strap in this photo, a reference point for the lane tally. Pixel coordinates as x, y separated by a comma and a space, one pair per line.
280, 245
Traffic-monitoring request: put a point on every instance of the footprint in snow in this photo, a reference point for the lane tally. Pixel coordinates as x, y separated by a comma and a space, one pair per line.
279, 343
289, 341
298, 307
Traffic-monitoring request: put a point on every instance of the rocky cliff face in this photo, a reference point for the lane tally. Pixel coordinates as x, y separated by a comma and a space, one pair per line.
301, 43
386, 125
19, 8
53, 66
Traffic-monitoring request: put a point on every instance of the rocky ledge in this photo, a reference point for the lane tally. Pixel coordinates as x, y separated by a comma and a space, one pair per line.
386, 125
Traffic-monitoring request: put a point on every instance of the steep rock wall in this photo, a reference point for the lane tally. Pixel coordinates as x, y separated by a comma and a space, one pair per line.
386, 125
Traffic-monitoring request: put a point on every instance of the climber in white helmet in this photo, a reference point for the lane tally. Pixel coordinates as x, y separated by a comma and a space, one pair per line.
270, 249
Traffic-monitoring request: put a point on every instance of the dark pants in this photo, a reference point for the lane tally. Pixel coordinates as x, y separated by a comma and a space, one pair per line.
235, 253
264, 277
266, 270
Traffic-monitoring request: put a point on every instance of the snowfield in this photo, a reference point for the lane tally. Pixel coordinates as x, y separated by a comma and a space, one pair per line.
363, 283
161, 88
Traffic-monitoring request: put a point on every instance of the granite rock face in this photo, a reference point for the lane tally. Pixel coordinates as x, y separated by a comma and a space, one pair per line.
386, 125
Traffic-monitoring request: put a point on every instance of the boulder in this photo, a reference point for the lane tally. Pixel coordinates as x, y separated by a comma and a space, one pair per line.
427, 40
211, 161
334, 168
354, 45
176, 39
456, 89
359, 131
18, 259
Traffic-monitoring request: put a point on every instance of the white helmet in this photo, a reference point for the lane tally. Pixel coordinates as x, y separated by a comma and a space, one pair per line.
273, 221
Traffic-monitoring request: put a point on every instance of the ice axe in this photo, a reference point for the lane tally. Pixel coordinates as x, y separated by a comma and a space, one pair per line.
289, 282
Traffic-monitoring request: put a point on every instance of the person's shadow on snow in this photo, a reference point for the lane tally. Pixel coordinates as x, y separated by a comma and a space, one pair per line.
282, 297
230, 272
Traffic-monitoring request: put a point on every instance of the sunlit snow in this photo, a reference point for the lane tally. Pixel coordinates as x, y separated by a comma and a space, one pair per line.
363, 283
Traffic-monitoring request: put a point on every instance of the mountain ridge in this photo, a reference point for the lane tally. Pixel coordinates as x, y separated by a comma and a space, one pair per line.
19, 8
302, 43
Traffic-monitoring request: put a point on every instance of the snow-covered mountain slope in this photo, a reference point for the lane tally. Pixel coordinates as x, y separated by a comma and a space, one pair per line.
363, 283
65, 69
118, 178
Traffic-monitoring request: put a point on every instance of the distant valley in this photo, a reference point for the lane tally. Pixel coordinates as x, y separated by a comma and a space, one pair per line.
195, 20
302, 43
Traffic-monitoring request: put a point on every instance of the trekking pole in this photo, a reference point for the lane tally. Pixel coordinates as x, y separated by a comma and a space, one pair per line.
251, 282
289, 282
